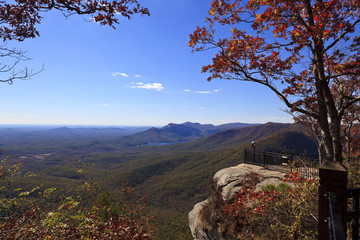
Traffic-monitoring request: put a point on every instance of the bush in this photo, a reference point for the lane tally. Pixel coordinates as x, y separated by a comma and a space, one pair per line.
287, 211
215, 216
281, 212
40, 214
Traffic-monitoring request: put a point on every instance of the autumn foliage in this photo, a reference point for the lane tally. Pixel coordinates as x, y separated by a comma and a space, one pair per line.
41, 213
19, 18
282, 212
306, 52
70, 221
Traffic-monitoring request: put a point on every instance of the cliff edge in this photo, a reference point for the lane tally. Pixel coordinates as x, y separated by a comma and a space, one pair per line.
206, 219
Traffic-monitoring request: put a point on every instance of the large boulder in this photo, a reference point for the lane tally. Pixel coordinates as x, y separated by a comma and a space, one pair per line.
229, 181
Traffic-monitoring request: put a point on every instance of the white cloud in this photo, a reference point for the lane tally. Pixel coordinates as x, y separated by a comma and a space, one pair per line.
149, 86
6, 114
203, 92
156, 86
115, 74
138, 76
104, 105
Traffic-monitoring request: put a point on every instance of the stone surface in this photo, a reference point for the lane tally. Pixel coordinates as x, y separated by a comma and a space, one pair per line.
195, 227
228, 181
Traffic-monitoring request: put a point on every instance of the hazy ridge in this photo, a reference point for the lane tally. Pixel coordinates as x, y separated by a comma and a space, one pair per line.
174, 177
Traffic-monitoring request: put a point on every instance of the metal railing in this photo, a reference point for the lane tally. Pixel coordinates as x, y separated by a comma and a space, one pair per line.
337, 198
336, 229
306, 166
354, 213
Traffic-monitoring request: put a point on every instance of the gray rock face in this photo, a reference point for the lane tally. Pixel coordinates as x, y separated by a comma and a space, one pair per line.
195, 228
228, 181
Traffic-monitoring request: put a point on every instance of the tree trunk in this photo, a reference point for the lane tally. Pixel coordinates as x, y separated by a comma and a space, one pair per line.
327, 107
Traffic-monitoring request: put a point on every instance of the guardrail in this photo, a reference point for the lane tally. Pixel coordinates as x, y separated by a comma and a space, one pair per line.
335, 221
354, 212
336, 230
307, 166
334, 196
333, 201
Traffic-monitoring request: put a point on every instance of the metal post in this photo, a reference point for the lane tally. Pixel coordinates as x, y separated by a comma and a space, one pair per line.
355, 221
244, 155
333, 178
253, 156
264, 163
337, 231
354, 214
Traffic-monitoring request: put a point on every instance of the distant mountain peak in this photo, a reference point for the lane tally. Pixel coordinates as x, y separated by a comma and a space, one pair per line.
174, 132
182, 124
61, 129
192, 123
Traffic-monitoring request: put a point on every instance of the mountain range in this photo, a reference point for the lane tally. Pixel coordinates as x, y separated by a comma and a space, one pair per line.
174, 133
173, 176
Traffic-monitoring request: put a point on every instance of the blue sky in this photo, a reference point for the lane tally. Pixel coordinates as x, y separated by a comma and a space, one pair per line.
142, 73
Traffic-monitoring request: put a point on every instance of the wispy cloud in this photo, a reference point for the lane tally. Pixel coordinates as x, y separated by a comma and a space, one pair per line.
104, 105
6, 114
116, 74
155, 86
148, 86
203, 92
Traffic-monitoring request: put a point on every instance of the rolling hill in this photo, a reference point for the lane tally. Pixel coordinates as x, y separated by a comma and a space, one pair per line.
181, 171
173, 177
240, 136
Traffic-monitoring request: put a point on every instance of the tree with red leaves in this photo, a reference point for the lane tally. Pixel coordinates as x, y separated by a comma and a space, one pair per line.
351, 132
306, 52
349, 125
19, 20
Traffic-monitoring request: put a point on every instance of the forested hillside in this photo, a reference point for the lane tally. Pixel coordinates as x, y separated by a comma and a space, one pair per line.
173, 177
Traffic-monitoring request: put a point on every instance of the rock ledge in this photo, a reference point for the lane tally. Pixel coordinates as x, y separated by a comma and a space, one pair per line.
228, 181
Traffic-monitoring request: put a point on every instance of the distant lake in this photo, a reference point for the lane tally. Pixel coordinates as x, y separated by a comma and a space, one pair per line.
162, 143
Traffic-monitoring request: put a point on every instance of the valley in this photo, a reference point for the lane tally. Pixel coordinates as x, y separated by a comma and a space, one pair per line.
173, 176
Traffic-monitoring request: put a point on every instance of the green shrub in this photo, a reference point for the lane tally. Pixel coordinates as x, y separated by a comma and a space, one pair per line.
42, 214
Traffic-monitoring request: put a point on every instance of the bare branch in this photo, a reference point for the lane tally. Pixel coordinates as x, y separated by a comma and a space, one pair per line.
11, 58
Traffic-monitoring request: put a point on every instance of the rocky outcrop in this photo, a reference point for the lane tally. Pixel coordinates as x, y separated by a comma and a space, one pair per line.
194, 225
229, 181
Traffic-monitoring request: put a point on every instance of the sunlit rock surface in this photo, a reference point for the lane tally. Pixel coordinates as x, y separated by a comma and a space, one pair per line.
228, 181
